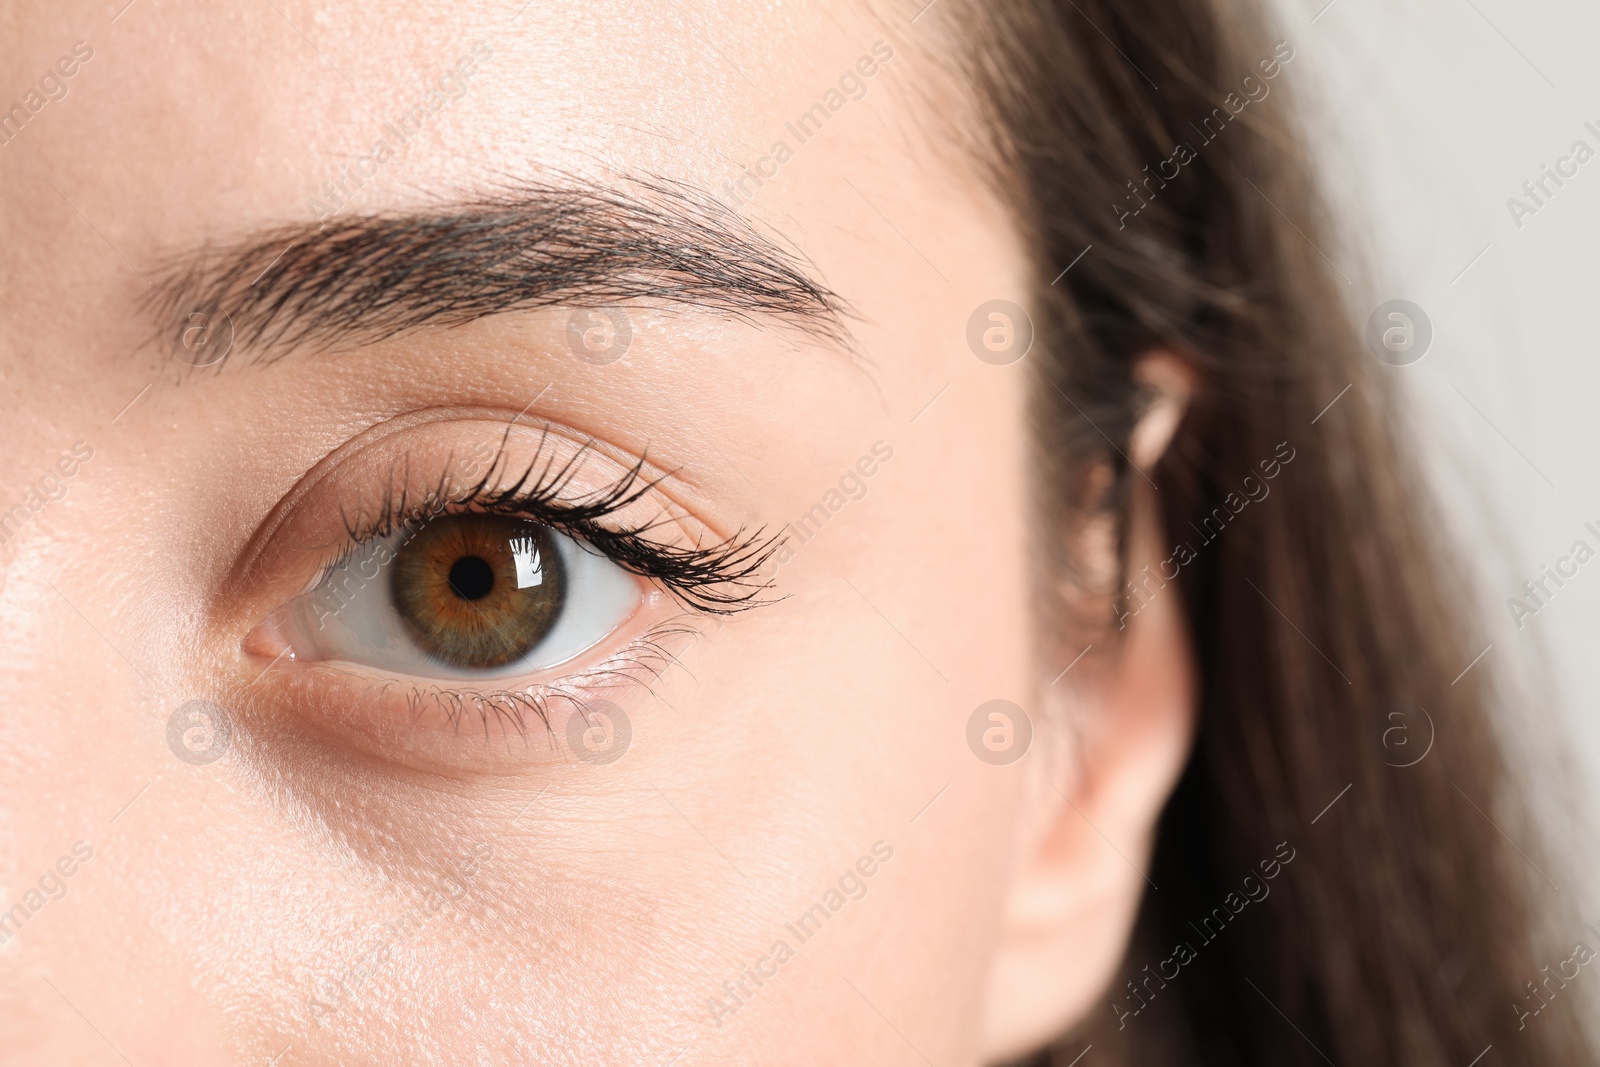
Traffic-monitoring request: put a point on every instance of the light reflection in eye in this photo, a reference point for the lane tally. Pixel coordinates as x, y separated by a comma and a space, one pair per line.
530, 567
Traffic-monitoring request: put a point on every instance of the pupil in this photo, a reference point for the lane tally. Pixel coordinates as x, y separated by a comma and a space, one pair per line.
471, 578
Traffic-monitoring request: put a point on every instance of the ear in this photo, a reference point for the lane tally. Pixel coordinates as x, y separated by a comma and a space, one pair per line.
1125, 726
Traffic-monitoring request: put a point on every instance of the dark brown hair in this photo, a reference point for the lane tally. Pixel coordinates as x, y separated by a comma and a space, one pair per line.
1404, 929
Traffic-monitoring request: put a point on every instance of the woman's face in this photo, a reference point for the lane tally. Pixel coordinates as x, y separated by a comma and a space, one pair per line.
251, 818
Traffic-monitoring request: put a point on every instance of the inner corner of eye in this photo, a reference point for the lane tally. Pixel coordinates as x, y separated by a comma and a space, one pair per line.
467, 595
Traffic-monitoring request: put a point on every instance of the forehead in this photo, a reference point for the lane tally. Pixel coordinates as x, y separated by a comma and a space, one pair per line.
182, 126
191, 121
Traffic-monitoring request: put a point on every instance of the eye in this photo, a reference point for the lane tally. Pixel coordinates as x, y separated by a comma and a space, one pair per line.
464, 596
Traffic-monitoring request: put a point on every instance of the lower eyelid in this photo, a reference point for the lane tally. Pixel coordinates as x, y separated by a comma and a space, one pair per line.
640, 663
472, 730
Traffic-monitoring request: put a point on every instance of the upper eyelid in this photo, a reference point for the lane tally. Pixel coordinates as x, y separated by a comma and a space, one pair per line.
540, 501
329, 475
546, 488
412, 453
715, 579
263, 556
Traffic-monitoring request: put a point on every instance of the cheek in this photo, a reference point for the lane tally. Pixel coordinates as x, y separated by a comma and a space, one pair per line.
858, 744
840, 718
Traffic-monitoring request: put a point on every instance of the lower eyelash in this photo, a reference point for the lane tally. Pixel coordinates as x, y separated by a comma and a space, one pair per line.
642, 662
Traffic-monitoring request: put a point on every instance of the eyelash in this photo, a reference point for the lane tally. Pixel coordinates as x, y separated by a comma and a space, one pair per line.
720, 579
640, 662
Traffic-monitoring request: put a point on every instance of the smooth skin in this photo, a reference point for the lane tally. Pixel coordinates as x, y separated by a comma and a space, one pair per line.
602, 907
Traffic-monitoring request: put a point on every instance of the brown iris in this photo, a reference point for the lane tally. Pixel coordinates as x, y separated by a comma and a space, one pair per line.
479, 590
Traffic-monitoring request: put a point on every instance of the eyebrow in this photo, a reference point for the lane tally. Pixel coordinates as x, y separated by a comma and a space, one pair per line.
368, 278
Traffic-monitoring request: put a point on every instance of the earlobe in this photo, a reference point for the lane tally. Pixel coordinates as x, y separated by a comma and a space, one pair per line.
1076, 892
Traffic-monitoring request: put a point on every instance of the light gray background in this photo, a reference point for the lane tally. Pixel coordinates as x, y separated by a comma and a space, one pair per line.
1426, 115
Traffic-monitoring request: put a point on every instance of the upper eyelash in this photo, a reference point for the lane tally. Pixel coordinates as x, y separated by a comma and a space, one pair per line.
718, 579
